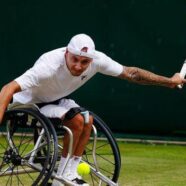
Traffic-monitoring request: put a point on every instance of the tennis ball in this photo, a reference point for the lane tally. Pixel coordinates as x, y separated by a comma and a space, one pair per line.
83, 169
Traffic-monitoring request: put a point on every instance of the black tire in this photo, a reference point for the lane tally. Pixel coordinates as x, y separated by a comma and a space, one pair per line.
21, 124
107, 153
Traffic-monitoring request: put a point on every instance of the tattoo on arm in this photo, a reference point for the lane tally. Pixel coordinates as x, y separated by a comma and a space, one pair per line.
141, 76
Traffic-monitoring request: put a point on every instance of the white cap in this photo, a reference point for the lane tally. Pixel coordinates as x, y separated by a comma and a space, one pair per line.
82, 45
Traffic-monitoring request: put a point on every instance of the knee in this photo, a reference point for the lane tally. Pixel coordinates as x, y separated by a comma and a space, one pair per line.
78, 118
77, 123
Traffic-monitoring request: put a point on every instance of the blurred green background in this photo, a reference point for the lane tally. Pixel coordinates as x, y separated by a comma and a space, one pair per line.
150, 34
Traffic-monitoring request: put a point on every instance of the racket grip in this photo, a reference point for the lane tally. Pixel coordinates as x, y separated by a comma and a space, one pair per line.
182, 73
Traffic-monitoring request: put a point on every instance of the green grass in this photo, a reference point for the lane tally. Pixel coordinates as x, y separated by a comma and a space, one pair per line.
144, 165
152, 165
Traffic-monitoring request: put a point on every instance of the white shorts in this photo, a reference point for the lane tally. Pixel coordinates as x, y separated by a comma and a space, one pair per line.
59, 110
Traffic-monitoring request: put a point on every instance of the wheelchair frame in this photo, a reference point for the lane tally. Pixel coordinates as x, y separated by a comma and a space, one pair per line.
45, 154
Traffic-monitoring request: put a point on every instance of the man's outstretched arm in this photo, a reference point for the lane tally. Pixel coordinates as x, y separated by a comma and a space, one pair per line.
6, 95
145, 77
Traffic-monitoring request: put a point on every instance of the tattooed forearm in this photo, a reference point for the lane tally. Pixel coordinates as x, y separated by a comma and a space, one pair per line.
141, 76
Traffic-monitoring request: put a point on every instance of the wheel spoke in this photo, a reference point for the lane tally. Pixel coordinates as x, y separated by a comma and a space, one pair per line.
3, 146
21, 141
10, 177
27, 173
19, 180
28, 143
7, 169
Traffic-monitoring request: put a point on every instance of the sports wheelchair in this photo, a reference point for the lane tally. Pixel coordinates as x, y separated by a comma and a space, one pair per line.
31, 145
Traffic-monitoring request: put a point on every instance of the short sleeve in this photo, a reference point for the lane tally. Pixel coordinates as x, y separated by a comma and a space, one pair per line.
108, 66
40, 72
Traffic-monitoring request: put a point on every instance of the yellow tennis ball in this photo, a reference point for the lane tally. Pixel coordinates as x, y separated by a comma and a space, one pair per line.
83, 169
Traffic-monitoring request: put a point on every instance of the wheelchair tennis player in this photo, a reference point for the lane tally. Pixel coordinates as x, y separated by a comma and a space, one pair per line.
58, 73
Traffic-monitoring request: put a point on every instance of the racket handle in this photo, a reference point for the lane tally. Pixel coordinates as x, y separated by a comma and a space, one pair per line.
182, 73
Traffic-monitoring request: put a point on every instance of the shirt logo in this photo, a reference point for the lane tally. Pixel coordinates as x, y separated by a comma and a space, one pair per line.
83, 77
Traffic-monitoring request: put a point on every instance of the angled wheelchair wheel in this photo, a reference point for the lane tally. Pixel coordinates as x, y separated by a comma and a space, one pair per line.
104, 156
26, 158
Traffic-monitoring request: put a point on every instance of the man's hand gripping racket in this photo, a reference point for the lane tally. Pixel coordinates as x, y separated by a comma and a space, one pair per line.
182, 73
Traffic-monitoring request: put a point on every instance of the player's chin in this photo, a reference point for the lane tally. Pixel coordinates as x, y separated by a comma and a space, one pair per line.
76, 73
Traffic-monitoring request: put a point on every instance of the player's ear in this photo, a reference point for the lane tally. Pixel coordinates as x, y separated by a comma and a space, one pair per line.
66, 52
